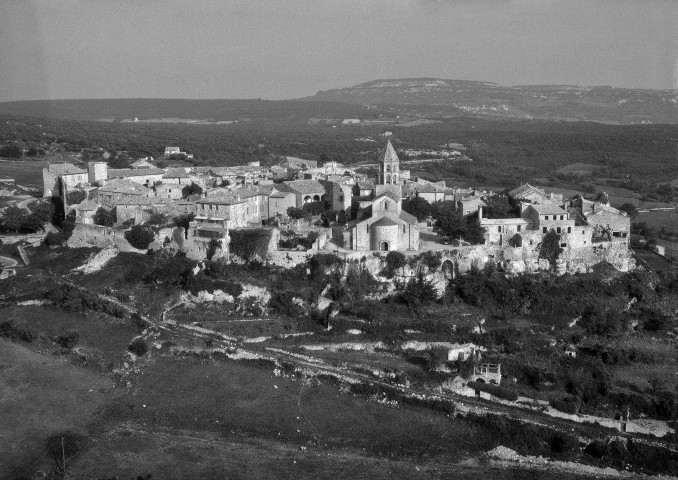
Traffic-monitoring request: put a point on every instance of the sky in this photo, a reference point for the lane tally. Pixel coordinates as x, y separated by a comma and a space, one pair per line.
276, 49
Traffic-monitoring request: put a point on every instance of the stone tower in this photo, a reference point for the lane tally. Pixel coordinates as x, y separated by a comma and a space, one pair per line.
389, 173
389, 166
97, 171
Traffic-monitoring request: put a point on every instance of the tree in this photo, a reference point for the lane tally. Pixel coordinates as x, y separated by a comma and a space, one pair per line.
43, 212
184, 220
630, 209
418, 207
13, 219
11, 151
550, 248
140, 237
295, 213
192, 189
103, 217
121, 161
157, 218
76, 196
499, 206
212, 247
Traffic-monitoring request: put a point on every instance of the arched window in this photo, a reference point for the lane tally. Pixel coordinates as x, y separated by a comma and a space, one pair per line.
388, 168
385, 205
388, 180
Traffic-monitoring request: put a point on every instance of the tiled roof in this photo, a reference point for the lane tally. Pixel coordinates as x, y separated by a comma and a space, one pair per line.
131, 172
88, 205
224, 199
142, 164
385, 222
548, 209
305, 187
407, 217
120, 185
524, 189
64, 169
176, 173
388, 194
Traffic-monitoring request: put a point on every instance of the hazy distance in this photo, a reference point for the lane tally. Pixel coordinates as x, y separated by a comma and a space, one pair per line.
51, 49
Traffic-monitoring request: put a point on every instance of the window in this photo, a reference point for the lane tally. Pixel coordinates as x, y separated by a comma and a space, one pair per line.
563, 245
557, 229
468, 211
582, 232
544, 230
341, 198
569, 229
561, 217
519, 226
404, 229
546, 217
499, 229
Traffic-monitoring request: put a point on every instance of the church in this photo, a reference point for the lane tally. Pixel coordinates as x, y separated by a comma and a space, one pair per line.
381, 223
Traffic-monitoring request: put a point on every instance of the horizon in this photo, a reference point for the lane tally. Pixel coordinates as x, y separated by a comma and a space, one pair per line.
176, 49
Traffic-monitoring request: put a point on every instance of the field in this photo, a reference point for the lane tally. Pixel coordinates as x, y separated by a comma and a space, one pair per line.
657, 220
42, 395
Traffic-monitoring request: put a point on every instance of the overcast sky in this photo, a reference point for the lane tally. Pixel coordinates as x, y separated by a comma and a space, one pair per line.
51, 49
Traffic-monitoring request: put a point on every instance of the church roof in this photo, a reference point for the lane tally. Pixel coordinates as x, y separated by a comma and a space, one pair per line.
388, 154
392, 195
385, 222
407, 217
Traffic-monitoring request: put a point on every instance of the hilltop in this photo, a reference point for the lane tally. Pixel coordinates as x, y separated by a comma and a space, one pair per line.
548, 102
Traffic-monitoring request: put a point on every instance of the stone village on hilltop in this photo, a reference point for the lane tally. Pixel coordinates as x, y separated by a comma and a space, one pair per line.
362, 215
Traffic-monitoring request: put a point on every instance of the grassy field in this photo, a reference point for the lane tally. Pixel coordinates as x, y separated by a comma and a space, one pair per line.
103, 339
668, 220
41, 395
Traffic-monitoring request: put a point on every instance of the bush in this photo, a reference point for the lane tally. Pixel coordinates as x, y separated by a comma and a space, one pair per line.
295, 213
9, 330
68, 339
567, 405
139, 237
138, 347
496, 390
104, 218
394, 261
75, 197
250, 243
55, 238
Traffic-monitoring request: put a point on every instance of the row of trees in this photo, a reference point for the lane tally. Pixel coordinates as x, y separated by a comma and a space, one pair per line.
21, 220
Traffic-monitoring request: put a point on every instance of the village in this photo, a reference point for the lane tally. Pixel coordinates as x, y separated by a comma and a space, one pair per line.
323, 271
194, 209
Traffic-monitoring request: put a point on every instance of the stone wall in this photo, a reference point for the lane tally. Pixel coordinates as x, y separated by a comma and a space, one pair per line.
102, 237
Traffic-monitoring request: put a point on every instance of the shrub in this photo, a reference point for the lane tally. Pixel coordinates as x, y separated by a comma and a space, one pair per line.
75, 197
138, 347
139, 237
104, 218
55, 238
567, 405
394, 261
68, 339
496, 390
250, 243
9, 330
295, 213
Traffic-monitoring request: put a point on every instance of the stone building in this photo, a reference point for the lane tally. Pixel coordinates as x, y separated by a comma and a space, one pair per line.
382, 224
59, 178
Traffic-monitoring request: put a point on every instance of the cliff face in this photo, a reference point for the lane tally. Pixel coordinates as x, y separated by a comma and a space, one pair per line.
554, 102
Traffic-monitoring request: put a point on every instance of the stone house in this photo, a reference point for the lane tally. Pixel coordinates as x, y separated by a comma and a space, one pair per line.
527, 193
177, 176
307, 191
59, 179
115, 190
143, 176
168, 190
